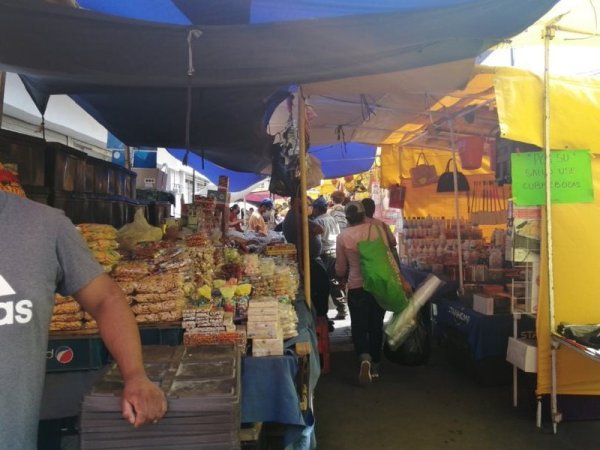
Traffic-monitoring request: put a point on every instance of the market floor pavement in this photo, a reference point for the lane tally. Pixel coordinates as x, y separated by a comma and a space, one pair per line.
429, 407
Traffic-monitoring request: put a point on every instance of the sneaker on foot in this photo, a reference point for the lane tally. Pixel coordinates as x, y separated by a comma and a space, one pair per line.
364, 376
330, 326
374, 372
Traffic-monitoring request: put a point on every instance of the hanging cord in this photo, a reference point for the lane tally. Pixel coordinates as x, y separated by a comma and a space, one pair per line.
188, 114
43, 126
366, 109
341, 136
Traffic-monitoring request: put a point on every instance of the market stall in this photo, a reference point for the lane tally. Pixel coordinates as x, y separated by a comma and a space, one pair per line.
238, 139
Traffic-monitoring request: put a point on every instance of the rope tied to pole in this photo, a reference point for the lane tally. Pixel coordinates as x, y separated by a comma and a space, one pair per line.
188, 114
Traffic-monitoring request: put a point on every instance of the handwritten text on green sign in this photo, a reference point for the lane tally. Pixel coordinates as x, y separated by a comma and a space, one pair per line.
570, 177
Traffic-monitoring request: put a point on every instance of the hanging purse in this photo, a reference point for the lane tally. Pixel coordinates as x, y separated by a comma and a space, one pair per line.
446, 181
397, 196
423, 174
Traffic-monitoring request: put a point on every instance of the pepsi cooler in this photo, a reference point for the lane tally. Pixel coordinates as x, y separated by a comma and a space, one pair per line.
75, 353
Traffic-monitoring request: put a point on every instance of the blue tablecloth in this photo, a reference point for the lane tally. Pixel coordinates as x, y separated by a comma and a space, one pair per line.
269, 391
487, 336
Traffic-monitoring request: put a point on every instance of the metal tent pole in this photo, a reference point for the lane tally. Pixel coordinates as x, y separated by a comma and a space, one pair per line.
456, 210
548, 35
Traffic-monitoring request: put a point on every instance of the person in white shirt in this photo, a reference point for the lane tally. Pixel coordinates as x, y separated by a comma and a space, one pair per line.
331, 230
337, 211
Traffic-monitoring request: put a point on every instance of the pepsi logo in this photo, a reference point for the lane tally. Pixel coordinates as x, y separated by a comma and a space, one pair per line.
64, 355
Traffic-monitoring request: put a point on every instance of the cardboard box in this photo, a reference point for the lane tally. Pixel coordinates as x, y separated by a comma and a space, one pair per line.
263, 330
522, 353
491, 305
151, 179
267, 347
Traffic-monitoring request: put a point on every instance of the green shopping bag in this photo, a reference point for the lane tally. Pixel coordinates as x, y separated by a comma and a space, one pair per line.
381, 275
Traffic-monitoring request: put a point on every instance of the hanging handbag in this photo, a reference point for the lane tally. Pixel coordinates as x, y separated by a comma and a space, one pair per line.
446, 181
423, 174
381, 275
397, 195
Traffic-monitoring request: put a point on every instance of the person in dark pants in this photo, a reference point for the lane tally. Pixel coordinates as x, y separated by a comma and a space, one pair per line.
331, 230
319, 280
366, 315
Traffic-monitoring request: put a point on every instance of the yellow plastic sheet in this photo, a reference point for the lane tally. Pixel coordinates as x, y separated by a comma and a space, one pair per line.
574, 109
576, 286
391, 166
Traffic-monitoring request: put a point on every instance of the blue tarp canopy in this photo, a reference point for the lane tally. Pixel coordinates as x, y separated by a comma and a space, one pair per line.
132, 75
337, 160
238, 181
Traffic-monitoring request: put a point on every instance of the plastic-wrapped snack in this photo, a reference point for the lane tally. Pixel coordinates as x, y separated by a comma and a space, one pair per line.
241, 307
66, 308
167, 282
90, 325
59, 299
155, 298
97, 231
132, 270
251, 264
128, 287
147, 318
71, 317
103, 244
65, 326
169, 316
148, 308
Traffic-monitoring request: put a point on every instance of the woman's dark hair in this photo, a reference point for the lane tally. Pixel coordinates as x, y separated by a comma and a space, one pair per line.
369, 205
355, 213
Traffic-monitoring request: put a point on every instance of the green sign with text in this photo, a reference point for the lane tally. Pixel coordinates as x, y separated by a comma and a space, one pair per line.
570, 179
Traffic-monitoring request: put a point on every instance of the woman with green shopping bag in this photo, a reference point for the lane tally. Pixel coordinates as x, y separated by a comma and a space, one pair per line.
366, 314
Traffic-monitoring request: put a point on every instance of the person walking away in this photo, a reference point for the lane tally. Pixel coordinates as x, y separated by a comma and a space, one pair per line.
337, 211
331, 230
41, 253
257, 222
366, 316
369, 206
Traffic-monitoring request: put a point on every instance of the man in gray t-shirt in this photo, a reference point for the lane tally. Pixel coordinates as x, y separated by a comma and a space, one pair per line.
41, 253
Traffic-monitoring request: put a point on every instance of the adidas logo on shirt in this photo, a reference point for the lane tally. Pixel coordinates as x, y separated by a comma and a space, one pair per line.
10, 311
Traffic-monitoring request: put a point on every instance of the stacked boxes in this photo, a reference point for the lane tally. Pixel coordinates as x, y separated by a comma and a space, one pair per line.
264, 328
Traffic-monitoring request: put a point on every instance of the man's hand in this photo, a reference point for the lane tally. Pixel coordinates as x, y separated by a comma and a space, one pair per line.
142, 402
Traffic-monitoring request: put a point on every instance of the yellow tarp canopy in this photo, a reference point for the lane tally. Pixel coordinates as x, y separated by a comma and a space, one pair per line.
574, 109
576, 287
575, 113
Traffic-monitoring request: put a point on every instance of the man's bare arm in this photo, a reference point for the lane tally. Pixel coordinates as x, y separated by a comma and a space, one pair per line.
142, 400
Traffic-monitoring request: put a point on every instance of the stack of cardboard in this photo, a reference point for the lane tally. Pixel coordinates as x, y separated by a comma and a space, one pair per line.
202, 385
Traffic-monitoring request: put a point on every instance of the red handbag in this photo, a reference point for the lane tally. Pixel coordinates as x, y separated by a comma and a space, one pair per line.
397, 196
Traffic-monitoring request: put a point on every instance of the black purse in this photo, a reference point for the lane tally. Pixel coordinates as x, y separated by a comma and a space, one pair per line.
446, 180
